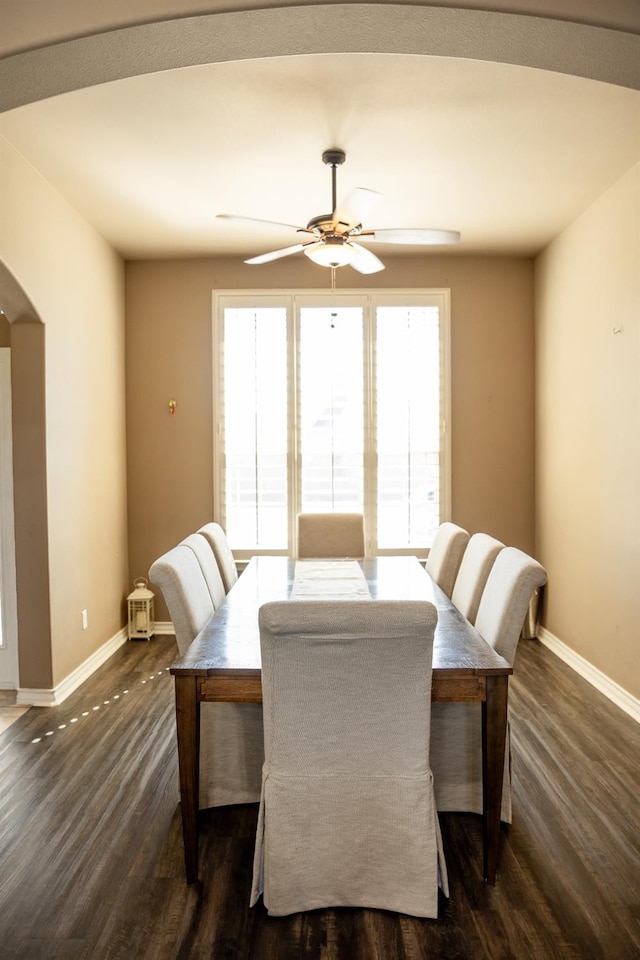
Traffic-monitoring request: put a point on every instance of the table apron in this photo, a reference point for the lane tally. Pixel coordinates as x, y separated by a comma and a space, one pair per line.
230, 689
458, 689
248, 689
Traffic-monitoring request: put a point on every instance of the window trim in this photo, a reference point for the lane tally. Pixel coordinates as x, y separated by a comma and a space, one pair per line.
292, 299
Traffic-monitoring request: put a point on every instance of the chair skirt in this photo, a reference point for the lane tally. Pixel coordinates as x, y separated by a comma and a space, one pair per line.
231, 753
338, 846
455, 755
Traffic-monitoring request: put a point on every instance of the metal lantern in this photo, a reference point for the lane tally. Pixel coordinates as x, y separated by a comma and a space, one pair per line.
141, 623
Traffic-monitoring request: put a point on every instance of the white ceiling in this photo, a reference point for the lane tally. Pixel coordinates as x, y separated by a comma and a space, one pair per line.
506, 154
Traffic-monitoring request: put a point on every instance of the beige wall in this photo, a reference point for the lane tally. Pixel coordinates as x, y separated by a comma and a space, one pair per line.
169, 337
76, 284
588, 429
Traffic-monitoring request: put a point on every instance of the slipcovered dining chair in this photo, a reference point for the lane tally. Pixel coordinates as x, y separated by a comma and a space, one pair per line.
179, 576
323, 535
218, 542
477, 561
456, 728
347, 814
231, 737
445, 555
209, 566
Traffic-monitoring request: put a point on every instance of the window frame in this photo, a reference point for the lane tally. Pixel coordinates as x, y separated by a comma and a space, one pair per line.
370, 299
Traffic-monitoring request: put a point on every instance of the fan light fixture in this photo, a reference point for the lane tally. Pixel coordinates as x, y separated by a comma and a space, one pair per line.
331, 253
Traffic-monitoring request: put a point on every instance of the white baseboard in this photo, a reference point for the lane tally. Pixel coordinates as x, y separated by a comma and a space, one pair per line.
26, 697
617, 694
55, 696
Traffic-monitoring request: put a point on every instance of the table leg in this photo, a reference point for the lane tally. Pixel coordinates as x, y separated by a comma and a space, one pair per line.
494, 734
188, 730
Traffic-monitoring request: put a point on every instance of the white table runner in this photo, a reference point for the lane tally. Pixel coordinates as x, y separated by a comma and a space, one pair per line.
329, 580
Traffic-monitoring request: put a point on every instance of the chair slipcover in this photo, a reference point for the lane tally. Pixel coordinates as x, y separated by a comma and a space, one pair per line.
179, 576
456, 728
330, 535
231, 737
477, 561
445, 555
220, 545
347, 814
209, 566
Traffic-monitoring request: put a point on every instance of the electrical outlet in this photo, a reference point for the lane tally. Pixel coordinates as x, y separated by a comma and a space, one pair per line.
85, 620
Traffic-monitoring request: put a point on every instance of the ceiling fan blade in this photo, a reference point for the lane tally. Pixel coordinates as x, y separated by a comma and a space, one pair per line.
269, 223
277, 254
365, 261
411, 236
356, 206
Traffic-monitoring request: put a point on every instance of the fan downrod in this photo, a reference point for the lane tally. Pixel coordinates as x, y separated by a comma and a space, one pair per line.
333, 158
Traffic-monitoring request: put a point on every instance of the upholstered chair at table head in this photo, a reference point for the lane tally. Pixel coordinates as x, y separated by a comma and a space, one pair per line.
325, 535
217, 538
477, 561
347, 816
445, 555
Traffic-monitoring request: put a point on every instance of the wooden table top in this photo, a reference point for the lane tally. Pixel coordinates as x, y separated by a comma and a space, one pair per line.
229, 644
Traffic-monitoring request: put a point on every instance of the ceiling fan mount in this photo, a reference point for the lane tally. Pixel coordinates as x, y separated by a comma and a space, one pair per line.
334, 157
331, 235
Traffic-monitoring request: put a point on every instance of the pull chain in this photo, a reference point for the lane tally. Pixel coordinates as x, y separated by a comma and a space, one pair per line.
333, 279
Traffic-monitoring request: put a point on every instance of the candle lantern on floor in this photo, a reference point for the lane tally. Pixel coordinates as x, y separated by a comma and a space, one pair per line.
140, 603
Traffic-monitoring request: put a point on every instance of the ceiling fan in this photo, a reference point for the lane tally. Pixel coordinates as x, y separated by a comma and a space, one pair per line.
332, 235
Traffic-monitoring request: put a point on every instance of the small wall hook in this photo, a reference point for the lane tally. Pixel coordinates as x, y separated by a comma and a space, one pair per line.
172, 406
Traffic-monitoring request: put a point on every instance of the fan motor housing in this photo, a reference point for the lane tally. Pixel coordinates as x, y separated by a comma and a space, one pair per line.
323, 223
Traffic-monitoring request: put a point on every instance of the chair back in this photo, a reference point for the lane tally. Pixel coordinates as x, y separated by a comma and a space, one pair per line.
217, 539
345, 684
347, 815
326, 535
179, 576
505, 600
445, 555
209, 566
475, 567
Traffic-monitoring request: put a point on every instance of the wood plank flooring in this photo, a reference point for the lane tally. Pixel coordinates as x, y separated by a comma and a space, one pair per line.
9, 714
91, 860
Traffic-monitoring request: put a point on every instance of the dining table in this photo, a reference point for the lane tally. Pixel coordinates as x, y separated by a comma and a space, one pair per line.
223, 665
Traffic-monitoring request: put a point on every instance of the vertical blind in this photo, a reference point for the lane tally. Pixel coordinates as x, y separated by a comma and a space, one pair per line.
331, 420
254, 414
407, 425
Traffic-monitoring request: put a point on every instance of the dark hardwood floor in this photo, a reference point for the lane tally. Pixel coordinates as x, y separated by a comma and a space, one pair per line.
91, 851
